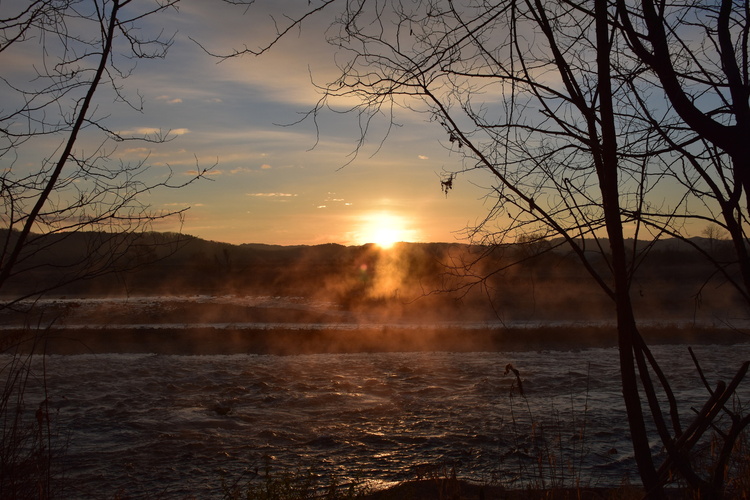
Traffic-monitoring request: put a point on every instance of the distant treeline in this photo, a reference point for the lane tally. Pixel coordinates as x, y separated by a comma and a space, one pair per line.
539, 280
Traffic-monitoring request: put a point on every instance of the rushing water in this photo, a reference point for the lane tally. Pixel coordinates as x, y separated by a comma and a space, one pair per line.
168, 425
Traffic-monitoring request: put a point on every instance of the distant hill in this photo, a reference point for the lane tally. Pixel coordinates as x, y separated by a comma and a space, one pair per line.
672, 279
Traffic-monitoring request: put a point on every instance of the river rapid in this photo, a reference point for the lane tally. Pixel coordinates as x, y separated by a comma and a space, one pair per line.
173, 426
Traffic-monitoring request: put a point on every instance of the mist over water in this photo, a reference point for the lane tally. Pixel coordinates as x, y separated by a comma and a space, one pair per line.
415, 282
175, 425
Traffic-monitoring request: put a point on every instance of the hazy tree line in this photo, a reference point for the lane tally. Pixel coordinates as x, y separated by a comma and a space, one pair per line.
532, 280
588, 121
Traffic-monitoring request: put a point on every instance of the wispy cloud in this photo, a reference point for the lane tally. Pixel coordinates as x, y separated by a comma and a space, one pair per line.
183, 204
241, 170
153, 132
272, 195
169, 99
423, 157
333, 199
203, 173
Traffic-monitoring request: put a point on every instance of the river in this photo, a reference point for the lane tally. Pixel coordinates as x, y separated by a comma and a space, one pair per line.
170, 426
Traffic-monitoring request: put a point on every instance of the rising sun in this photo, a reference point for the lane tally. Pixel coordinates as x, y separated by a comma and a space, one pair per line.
383, 229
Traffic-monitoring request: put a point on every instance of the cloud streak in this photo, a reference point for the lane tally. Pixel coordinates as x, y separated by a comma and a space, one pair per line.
272, 195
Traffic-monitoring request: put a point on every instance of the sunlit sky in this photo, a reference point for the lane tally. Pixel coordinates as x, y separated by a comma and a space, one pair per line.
272, 183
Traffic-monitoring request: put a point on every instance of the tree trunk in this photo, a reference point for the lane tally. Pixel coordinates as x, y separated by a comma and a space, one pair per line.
607, 170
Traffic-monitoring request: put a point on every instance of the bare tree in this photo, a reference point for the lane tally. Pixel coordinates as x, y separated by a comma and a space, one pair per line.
552, 103
76, 55
694, 58
75, 51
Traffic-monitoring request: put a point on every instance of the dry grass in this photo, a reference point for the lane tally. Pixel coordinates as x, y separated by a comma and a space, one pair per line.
31, 447
455, 489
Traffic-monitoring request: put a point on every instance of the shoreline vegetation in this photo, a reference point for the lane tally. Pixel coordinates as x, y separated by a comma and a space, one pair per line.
449, 488
209, 340
294, 325
457, 489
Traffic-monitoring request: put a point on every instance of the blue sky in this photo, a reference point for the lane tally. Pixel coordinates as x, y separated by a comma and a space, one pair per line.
272, 183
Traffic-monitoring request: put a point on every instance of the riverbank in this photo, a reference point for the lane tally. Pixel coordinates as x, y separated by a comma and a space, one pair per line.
455, 489
285, 339
294, 325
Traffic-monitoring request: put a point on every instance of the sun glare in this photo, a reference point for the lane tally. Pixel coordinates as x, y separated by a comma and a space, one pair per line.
383, 229
386, 237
